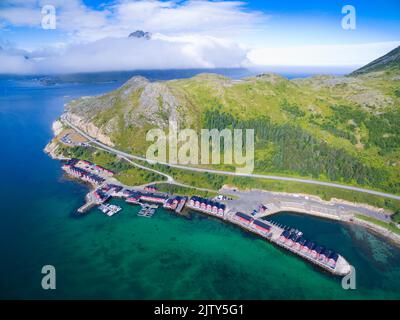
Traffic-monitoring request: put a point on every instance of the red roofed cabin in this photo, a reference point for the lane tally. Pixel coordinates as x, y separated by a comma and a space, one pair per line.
261, 226
239, 216
150, 188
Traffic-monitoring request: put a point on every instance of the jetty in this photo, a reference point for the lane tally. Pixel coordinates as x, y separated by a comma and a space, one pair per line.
290, 240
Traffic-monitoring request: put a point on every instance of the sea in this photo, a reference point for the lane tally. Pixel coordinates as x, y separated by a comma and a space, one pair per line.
167, 256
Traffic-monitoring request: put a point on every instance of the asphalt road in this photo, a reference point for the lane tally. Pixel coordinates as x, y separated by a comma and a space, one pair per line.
250, 175
247, 201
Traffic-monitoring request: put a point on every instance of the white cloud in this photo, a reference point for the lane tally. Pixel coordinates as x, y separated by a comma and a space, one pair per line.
121, 17
322, 55
112, 54
190, 16
18, 16
188, 34
15, 64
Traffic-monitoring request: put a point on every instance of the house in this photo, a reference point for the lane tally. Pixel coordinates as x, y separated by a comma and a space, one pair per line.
261, 226
244, 218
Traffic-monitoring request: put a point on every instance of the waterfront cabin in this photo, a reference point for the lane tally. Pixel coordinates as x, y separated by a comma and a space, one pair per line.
92, 178
194, 202
208, 205
301, 244
100, 196
127, 193
134, 197
317, 251
191, 201
170, 204
244, 218
114, 188
72, 161
297, 244
150, 188
313, 253
332, 259
309, 247
284, 235
261, 226
323, 255
327, 253
151, 197
290, 240
221, 209
106, 188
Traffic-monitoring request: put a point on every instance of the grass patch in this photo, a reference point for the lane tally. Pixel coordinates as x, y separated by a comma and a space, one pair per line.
136, 176
184, 191
396, 217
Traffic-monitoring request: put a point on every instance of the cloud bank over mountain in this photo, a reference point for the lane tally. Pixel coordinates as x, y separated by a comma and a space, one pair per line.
114, 54
189, 34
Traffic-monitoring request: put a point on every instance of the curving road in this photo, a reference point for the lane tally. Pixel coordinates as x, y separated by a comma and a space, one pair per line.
229, 173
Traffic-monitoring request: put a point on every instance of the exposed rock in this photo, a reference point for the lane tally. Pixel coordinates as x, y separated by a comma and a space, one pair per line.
57, 127
140, 34
89, 128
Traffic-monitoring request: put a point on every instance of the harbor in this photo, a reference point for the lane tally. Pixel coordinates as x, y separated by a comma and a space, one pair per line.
252, 220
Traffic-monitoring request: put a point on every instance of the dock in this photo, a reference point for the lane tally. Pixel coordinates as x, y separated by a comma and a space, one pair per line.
109, 209
181, 206
86, 207
273, 234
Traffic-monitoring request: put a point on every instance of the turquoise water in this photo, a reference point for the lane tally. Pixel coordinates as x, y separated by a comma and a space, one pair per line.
165, 257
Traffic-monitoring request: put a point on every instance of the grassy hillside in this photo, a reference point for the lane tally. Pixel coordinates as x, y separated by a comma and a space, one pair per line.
343, 129
390, 60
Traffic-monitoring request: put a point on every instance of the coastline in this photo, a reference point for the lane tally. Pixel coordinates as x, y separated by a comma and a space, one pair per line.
349, 218
378, 230
58, 127
103, 190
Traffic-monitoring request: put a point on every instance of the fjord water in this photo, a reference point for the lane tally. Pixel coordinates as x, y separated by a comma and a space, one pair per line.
165, 257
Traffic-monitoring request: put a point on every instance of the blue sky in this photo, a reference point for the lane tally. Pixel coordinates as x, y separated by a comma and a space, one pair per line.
268, 31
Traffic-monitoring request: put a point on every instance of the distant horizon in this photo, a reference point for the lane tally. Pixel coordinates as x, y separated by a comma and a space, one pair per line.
311, 70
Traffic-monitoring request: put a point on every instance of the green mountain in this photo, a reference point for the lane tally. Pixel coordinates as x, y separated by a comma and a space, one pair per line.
333, 128
389, 61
